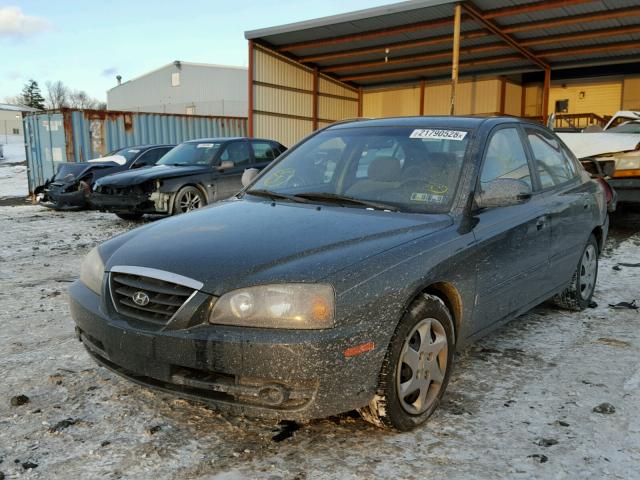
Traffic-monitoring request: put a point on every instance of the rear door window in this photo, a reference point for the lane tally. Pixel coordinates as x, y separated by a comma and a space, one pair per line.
505, 157
150, 157
236, 152
553, 164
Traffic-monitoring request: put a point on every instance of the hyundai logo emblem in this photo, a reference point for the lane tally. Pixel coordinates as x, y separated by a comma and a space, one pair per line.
140, 298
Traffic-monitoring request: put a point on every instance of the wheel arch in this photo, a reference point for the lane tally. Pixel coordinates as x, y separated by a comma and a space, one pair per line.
597, 232
174, 195
451, 298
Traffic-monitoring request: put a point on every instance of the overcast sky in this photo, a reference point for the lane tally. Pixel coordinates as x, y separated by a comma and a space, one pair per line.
86, 43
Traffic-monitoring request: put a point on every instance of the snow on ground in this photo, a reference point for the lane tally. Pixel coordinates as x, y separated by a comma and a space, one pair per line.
519, 406
13, 168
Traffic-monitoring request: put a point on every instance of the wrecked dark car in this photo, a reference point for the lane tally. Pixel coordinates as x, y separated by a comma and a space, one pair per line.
192, 175
349, 271
71, 185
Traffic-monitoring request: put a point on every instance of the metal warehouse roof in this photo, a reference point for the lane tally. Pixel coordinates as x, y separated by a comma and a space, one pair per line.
17, 108
412, 40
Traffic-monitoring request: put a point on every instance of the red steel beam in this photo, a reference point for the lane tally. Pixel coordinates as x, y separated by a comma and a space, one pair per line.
250, 113
478, 15
532, 7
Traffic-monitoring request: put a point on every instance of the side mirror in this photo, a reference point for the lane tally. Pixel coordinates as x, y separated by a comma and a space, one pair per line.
226, 165
248, 175
503, 192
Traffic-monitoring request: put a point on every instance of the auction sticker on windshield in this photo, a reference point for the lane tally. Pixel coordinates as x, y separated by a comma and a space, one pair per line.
205, 145
438, 134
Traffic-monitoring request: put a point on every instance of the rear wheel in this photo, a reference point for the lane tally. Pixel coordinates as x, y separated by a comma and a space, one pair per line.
579, 293
130, 216
188, 199
416, 369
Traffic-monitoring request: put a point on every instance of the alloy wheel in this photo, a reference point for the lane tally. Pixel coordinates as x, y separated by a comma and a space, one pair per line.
189, 201
588, 271
422, 366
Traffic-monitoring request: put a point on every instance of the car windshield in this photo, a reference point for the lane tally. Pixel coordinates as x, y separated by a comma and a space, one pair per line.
191, 153
398, 168
629, 127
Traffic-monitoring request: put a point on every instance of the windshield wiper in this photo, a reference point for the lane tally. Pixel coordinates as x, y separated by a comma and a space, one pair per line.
342, 199
258, 192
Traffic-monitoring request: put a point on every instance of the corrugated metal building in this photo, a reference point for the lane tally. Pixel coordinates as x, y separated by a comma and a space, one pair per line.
525, 58
11, 119
185, 88
68, 135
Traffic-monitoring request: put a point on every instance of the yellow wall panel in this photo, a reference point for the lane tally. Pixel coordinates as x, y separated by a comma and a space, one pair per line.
512, 99
631, 94
533, 100
602, 97
270, 69
327, 86
437, 99
336, 109
399, 102
287, 131
472, 97
275, 100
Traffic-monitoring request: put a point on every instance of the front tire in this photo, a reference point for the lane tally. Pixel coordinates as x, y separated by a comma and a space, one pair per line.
577, 296
416, 369
188, 199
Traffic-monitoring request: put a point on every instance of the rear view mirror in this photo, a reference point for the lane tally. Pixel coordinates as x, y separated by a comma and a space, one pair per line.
248, 176
226, 165
503, 192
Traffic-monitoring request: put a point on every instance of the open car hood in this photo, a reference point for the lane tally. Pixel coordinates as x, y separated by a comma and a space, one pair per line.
584, 145
72, 172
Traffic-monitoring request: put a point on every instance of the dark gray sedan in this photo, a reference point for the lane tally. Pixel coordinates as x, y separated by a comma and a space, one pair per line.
349, 271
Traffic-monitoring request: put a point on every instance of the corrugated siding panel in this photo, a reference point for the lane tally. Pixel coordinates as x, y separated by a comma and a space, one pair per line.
273, 70
472, 97
274, 100
599, 97
437, 99
94, 133
513, 99
391, 103
533, 100
336, 109
287, 131
631, 94
326, 86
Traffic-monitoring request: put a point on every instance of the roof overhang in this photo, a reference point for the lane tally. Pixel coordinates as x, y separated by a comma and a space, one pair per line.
411, 41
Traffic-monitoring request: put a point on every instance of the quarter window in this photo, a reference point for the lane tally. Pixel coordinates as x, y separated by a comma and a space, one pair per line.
554, 166
264, 151
505, 158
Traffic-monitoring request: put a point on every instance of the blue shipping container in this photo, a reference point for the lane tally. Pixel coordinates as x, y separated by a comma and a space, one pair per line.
69, 135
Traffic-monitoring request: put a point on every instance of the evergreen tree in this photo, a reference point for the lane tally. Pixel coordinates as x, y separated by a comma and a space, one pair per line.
31, 96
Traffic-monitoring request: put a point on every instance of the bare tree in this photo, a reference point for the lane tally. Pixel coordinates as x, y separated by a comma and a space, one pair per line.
57, 95
80, 99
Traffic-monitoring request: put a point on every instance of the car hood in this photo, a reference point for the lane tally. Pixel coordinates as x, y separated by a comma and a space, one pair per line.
137, 176
246, 242
584, 145
71, 172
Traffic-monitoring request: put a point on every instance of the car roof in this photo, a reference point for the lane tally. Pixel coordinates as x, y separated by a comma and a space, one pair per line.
225, 139
468, 122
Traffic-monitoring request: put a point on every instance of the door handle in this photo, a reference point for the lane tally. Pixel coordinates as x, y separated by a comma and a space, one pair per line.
542, 221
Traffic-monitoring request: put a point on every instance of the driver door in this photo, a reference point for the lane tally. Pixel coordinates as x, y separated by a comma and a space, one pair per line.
511, 242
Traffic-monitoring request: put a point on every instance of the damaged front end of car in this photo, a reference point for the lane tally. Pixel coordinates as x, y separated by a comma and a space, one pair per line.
141, 198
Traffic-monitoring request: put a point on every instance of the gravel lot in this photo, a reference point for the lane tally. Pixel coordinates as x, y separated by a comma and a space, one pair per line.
520, 404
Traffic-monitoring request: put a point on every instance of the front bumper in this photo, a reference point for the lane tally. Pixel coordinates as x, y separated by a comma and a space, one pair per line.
294, 375
58, 199
628, 189
123, 203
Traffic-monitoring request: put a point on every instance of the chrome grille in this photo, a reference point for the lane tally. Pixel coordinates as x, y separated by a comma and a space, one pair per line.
164, 298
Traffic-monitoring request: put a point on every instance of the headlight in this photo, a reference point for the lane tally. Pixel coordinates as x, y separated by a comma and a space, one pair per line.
295, 305
631, 162
92, 271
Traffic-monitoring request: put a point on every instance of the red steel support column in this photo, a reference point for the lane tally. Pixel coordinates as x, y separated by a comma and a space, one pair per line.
422, 83
360, 102
250, 113
456, 57
545, 95
314, 96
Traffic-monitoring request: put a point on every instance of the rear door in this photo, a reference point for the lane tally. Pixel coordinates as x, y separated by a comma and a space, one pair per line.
570, 203
264, 152
228, 181
512, 241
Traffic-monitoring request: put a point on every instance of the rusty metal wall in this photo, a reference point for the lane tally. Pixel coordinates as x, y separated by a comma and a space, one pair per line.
80, 135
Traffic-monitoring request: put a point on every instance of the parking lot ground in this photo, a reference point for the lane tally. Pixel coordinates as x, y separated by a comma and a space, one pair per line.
520, 404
